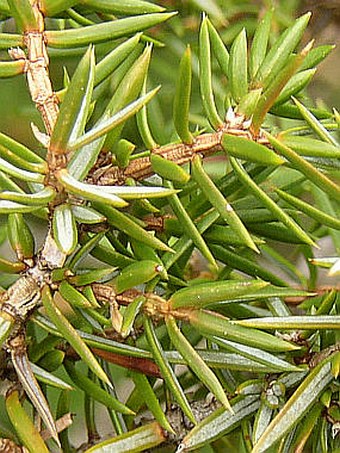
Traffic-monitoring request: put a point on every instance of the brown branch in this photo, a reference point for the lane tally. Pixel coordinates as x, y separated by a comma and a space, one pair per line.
145, 366
40, 86
23, 296
181, 153
38, 79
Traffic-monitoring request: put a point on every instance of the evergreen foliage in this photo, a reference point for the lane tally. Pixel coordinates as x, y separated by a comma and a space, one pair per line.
173, 215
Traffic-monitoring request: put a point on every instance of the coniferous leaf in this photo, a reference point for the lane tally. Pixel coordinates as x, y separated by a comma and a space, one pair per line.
131, 228
189, 226
293, 322
316, 55
19, 173
182, 99
11, 68
205, 77
255, 354
126, 8
142, 438
136, 274
85, 214
30, 385
39, 198
315, 213
88, 191
64, 229
298, 405
198, 296
195, 362
48, 378
20, 150
219, 422
23, 14
211, 323
20, 237
112, 60
71, 335
75, 107
23, 424
295, 85
269, 203
307, 146
314, 175
107, 124
128, 90
96, 391
104, 31
238, 67
166, 370
260, 43
143, 123
315, 125
145, 389
8, 207
219, 49
168, 170
224, 208
8, 40
278, 55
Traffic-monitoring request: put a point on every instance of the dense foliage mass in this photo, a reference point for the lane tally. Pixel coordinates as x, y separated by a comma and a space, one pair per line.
173, 218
